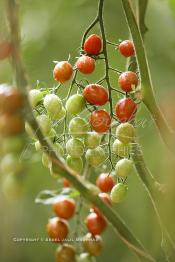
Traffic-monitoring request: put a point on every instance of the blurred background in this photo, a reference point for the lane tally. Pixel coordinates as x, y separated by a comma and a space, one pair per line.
52, 30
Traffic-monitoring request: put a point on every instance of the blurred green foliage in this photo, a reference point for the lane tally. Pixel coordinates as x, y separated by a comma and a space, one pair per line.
51, 30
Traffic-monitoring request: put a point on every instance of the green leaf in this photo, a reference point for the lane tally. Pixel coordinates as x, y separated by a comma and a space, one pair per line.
48, 197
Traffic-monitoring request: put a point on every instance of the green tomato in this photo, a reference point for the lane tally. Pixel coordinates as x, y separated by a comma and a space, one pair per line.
96, 156
10, 164
125, 132
44, 123
123, 167
59, 149
75, 104
75, 147
75, 163
60, 115
38, 146
11, 187
118, 192
46, 160
53, 104
92, 140
13, 144
78, 127
35, 97
120, 149
85, 257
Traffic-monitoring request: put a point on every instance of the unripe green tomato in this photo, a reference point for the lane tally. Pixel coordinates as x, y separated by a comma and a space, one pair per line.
60, 115
125, 132
38, 146
44, 123
123, 167
29, 131
75, 104
78, 127
92, 140
11, 187
96, 156
75, 147
118, 193
59, 149
10, 164
13, 144
93, 188
120, 149
46, 160
53, 104
85, 257
35, 97
75, 163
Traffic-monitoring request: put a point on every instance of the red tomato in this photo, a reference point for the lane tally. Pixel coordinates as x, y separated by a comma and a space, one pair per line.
11, 124
95, 94
106, 199
64, 208
125, 109
85, 64
5, 49
126, 48
100, 121
62, 71
92, 45
127, 81
96, 224
57, 229
10, 100
105, 182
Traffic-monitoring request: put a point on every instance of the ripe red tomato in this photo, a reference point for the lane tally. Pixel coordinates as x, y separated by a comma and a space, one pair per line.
106, 199
96, 224
127, 81
92, 45
57, 229
125, 109
10, 100
5, 49
126, 48
64, 208
95, 94
105, 182
11, 124
62, 71
100, 121
85, 64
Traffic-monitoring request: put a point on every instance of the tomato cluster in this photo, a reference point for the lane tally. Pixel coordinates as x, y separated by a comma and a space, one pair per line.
87, 140
11, 137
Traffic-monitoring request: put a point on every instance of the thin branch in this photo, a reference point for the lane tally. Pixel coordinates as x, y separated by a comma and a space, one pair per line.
148, 96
